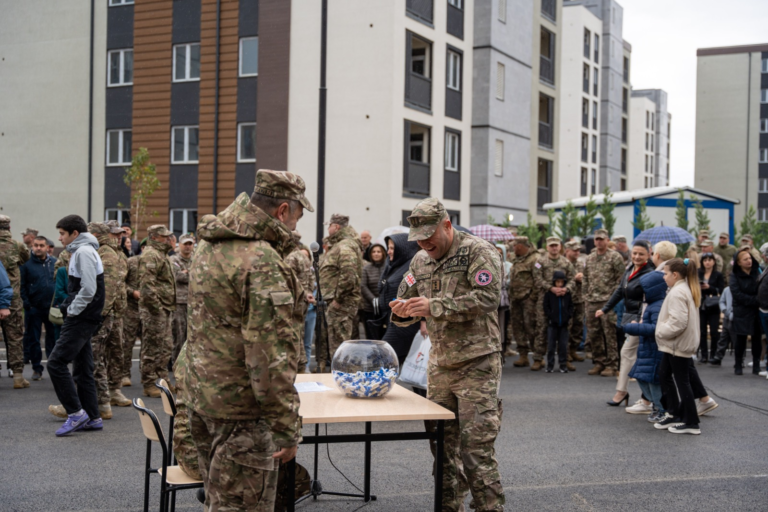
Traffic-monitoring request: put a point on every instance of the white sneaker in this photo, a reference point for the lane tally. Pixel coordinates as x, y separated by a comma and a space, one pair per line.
639, 408
703, 408
763, 373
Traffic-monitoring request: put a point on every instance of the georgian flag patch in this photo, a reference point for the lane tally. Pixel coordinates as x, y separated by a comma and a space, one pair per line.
483, 278
537, 265
410, 280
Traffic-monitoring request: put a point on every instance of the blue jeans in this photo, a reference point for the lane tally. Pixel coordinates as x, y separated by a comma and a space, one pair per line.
309, 331
34, 320
653, 393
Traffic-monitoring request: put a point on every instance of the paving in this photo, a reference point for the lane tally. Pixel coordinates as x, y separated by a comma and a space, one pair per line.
560, 448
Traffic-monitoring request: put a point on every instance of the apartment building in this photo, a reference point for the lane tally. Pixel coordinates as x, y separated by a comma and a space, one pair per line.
579, 122
642, 157
660, 125
501, 112
732, 124
626, 95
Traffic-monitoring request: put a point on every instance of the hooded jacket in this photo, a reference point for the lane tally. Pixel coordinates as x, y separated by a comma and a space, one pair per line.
631, 290
558, 310
677, 327
244, 326
369, 286
342, 269
6, 290
646, 368
744, 288
37, 282
394, 270
86, 280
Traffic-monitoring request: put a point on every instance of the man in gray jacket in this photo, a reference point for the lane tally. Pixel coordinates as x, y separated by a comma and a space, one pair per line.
82, 318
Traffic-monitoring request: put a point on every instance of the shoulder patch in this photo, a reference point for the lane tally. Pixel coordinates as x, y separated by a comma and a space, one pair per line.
537, 265
402, 289
483, 277
410, 279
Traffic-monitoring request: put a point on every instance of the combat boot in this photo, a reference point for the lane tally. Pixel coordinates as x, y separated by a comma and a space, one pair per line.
537, 365
596, 369
576, 357
58, 411
19, 382
151, 391
510, 352
105, 411
126, 382
522, 361
116, 397
609, 372
570, 366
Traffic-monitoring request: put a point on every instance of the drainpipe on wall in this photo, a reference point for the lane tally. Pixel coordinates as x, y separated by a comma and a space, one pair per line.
322, 123
216, 114
90, 121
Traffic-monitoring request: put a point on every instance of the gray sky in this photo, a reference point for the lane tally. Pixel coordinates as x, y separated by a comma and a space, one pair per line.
665, 35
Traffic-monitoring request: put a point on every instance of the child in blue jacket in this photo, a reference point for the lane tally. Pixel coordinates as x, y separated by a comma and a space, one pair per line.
646, 369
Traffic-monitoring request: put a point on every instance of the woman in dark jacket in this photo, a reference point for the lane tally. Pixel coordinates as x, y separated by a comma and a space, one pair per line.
369, 286
712, 285
631, 291
746, 321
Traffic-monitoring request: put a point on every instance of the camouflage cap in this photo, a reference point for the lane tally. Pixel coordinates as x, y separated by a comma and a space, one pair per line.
424, 218
707, 243
620, 238
573, 245
726, 235
553, 240
114, 227
5, 222
340, 219
30, 231
186, 237
601, 233
520, 240
746, 237
704, 232
282, 185
158, 230
98, 228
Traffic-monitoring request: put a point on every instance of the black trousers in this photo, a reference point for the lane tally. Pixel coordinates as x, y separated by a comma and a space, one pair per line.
557, 339
741, 349
74, 346
675, 378
709, 318
726, 337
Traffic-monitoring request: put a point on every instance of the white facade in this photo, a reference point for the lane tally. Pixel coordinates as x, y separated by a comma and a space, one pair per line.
642, 141
366, 109
44, 106
579, 121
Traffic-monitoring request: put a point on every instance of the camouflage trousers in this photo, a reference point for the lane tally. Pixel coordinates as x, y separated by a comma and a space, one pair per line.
300, 350
470, 390
107, 346
13, 334
183, 446
179, 330
156, 345
522, 315
601, 335
339, 326
540, 345
576, 327
131, 331
235, 460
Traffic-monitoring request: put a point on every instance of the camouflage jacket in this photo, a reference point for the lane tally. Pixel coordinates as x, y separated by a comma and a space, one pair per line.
578, 268
726, 254
132, 281
243, 331
115, 271
156, 282
13, 254
464, 290
179, 265
522, 283
602, 275
544, 270
302, 267
342, 270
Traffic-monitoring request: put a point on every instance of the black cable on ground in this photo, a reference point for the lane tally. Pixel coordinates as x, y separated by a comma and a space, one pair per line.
328, 451
740, 404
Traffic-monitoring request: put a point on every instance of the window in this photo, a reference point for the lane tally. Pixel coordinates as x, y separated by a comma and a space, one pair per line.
646, 141
547, 56
118, 147
546, 120
503, 11
419, 146
594, 82
764, 126
652, 167
594, 149
647, 120
597, 49
120, 67
500, 70
623, 161
651, 142
764, 66
624, 130
585, 78
763, 156
183, 221
594, 115
498, 158
763, 185
186, 62
246, 142
249, 56
626, 69
184, 144
646, 163
587, 41
584, 147
764, 96
762, 214
585, 113
584, 179
121, 216
455, 3
454, 71
544, 192
625, 100
653, 120
593, 188
452, 151
114, 3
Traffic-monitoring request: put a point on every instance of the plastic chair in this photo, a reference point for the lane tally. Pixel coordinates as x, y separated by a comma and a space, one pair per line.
169, 407
172, 478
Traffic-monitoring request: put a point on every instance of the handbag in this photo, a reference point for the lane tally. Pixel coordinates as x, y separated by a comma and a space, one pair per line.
712, 301
55, 315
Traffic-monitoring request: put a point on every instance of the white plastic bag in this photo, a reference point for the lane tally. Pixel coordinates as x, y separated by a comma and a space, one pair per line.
414, 370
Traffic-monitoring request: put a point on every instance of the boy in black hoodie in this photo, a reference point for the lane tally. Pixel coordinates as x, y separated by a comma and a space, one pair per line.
558, 310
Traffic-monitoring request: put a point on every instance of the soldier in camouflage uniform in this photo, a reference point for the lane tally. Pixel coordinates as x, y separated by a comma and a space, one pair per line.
708, 246
302, 267
183, 446
523, 298
13, 255
543, 274
157, 302
726, 251
241, 352
602, 273
131, 318
747, 240
576, 327
455, 284
116, 343
340, 274
703, 235
181, 261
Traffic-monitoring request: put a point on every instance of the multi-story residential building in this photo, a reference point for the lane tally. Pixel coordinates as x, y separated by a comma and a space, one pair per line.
579, 122
501, 112
626, 94
732, 124
642, 157
660, 124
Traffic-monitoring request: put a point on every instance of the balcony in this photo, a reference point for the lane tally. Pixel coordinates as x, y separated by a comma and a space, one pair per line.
584, 153
455, 21
419, 91
545, 135
422, 10
547, 70
549, 9
416, 178
585, 119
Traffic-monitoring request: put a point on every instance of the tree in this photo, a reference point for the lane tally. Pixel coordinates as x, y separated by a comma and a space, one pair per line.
606, 211
588, 221
642, 220
702, 218
681, 214
141, 177
531, 230
568, 222
550, 222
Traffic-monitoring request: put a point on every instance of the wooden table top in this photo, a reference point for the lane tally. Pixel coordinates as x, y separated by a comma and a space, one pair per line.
333, 406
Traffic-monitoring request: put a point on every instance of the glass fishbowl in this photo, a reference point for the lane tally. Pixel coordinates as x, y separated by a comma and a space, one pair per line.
365, 368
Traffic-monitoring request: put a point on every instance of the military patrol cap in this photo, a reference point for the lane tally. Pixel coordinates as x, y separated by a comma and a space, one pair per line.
746, 237
620, 238
29, 231
5, 222
573, 245
158, 230
553, 240
340, 219
726, 235
704, 232
601, 233
186, 237
114, 227
424, 219
520, 240
282, 185
707, 243
98, 228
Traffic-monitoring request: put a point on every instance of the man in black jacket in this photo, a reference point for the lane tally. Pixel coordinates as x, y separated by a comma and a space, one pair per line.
37, 284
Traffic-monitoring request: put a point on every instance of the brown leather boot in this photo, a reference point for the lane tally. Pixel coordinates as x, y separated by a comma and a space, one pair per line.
151, 391
610, 372
19, 382
570, 366
575, 356
537, 365
522, 361
595, 370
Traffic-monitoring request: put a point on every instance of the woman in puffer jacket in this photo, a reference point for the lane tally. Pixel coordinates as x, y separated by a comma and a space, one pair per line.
746, 320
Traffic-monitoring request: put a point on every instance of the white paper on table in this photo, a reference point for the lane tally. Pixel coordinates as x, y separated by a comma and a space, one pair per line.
310, 387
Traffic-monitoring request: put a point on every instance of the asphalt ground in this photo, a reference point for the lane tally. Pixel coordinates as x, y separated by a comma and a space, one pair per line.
560, 448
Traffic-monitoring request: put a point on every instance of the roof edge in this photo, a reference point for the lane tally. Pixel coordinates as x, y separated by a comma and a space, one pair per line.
629, 196
730, 50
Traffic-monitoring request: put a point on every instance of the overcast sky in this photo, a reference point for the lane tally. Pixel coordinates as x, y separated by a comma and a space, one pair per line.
665, 35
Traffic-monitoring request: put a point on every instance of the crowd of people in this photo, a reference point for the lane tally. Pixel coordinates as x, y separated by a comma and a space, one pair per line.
244, 304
